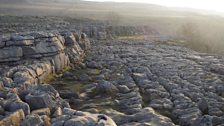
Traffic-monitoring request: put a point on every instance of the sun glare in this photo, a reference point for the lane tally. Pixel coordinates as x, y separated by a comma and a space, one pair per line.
210, 5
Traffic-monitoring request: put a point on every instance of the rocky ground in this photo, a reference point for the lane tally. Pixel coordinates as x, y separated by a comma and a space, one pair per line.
93, 28
139, 83
60, 78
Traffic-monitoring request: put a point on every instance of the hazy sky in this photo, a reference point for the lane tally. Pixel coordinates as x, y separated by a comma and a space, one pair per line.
213, 5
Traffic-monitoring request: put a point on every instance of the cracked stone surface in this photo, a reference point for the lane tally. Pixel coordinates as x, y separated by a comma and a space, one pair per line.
158, 84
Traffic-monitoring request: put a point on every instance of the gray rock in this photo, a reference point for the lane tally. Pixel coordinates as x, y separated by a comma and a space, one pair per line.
32, 120
15, 37
92, 65
123, 89
40, 101
10, 53
203, 105
67, 94
20, 43
58, 123
59, 119
68, 111
205, 120
70, 39
45, 88
100, 77
19, 105
6, 81
10, 98
68, 75
84, 77
106, 87
2, 44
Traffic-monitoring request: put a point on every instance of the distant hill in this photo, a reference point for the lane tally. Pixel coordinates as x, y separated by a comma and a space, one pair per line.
95, 10
12, 1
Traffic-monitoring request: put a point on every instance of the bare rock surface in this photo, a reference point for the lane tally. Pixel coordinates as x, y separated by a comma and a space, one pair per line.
127, 83
156, 84
27, 60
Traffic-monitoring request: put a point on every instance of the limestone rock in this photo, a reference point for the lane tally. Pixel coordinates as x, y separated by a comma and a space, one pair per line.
9, 54
32, 120
13, 119
40, 101
106, 87
20, 105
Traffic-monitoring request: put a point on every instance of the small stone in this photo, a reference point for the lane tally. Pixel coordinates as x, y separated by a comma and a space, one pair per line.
106, 87
203, 105
123, 89
84, 77
68, 111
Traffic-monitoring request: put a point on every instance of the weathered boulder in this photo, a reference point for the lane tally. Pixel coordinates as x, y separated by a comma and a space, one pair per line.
13, 119
38, 101
34, 120
19, 105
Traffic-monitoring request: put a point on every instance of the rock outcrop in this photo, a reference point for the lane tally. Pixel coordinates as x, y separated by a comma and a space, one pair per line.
27, 59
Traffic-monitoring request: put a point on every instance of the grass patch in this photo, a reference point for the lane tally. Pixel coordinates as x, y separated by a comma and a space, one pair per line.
49, 78
134, 37
94, 71
176, 43
76, 87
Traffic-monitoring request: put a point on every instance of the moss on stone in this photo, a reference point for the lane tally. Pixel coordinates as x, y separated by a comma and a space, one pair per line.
49, 78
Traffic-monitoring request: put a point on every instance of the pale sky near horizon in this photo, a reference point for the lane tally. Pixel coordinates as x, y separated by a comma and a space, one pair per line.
212, 5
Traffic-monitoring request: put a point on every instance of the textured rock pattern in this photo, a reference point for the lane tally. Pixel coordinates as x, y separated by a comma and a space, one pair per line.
138, 83
166, 80
33, 56
27, 59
